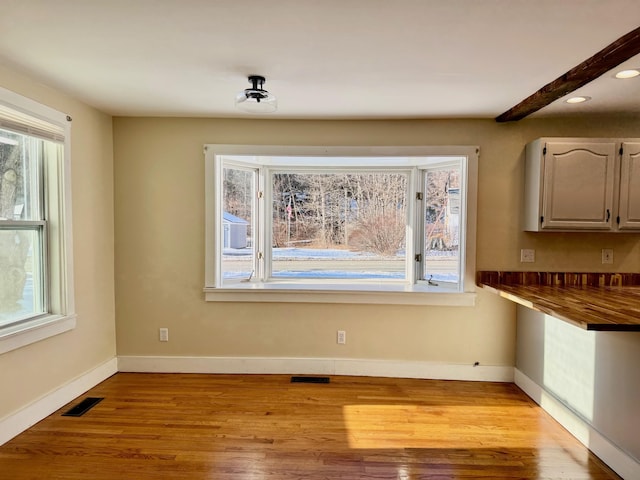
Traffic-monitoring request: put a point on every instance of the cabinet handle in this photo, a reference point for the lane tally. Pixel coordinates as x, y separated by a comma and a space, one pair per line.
608, 215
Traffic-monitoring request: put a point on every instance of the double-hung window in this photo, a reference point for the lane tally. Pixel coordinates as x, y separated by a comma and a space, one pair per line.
36, 298
340, 224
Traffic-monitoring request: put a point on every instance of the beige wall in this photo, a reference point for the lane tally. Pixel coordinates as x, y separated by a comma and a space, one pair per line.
159, 202
28, 373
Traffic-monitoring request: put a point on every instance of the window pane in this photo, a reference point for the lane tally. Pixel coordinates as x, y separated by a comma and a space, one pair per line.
339, 225
21, 277
442, 225
19, 177
237, 221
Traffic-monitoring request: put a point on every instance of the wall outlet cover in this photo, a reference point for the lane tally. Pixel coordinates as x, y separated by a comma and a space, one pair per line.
607, 256
164, 334
527, 255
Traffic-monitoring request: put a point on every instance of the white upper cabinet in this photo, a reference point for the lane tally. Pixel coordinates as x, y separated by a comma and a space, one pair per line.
577, 184
629, 210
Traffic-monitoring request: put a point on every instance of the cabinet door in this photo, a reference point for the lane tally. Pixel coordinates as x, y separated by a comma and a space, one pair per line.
578, 186
630, 187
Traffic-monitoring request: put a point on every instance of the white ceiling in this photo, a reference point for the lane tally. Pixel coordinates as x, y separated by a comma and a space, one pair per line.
322, 58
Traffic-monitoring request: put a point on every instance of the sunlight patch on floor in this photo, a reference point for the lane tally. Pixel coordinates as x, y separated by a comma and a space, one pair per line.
440, 426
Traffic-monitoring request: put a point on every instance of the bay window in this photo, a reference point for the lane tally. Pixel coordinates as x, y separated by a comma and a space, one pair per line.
340, 223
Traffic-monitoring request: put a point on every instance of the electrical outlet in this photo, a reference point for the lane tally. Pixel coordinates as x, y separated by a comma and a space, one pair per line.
607, 256
164, 334
527, 255
342, 337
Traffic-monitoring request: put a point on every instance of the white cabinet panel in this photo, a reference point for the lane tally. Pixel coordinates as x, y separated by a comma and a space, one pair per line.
578, 185
629, 209
582, 184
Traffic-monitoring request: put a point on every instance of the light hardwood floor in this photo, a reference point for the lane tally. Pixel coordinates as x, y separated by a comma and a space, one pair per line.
262, 427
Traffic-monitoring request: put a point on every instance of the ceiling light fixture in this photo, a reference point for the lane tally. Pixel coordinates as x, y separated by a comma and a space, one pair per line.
628, 73
256, 99
577, 99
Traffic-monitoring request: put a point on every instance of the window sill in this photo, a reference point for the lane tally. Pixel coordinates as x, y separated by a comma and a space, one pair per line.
17, 336
340, 293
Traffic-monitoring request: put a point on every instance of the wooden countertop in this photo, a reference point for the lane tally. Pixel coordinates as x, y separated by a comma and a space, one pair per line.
604, 308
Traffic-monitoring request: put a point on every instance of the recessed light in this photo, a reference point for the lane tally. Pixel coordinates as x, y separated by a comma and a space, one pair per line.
577, 99
628, 73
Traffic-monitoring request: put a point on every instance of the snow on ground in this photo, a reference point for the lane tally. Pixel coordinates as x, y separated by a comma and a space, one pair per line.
352, 272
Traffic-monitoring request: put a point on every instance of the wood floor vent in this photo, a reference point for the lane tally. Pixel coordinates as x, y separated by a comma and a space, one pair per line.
83, 407
310, 380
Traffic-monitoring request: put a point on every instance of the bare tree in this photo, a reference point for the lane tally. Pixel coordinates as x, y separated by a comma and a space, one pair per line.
14, 244
381, 219
355, 209
439, 188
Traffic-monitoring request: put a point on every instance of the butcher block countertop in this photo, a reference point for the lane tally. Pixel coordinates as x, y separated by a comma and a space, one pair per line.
592, 301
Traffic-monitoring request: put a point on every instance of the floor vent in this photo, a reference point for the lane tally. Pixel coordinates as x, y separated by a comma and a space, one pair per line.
83, 407
309, 379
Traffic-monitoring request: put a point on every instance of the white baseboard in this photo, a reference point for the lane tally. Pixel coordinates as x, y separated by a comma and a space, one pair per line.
316, 366
28, 416
622, 463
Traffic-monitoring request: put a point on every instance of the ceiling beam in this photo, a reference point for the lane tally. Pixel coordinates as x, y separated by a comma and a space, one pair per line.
610, 57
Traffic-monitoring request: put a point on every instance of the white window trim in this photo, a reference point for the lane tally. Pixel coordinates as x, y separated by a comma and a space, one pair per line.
327, 292
61, 317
